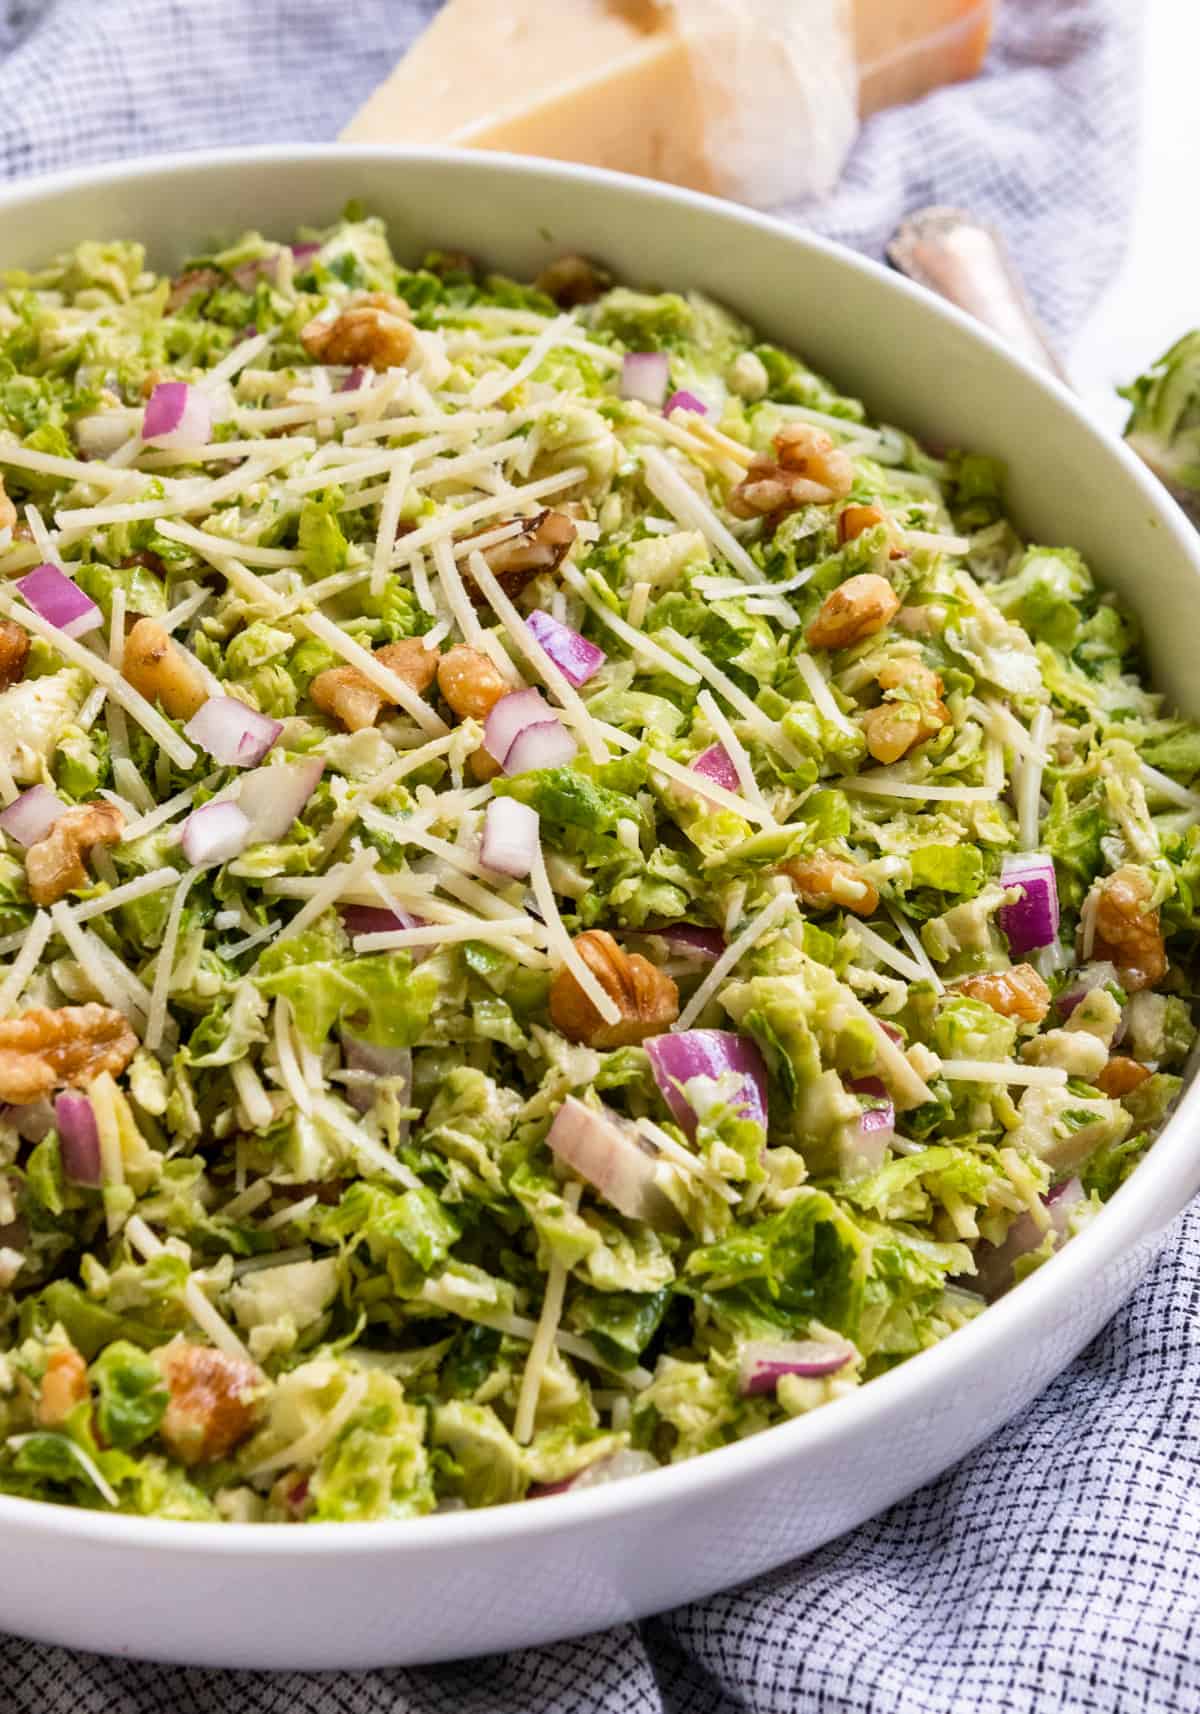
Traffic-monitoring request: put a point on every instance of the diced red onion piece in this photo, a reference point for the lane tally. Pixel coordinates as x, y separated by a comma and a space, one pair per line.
1033, 921
1060, 1199
876, 1126
610, 1156
509, 717
31, 1120
716, 764
694, 942
353, 381
214, 833
994, 1262
546, 745
50, 592
376, 919
510, 836
763, 1363
881, 1116
576, 658
231, 733
685, 401
378, 1062
273, 798
1097, 975
31, 816
678, 1057
78, 1137
177, 415
645, 375
615, 1468
302, 254
890, 1030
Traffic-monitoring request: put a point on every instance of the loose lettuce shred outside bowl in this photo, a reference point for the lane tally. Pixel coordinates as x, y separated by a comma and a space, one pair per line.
346, 1595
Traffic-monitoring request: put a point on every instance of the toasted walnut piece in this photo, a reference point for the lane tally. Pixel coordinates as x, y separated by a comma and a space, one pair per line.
194, 283
42, 1049
807, 451
1127, 932
899, 723
542, 545
482, 766
154, 665
892, 730
1120, 1075
855, 521
411, 661
374, 329
470, 682
14, 652
807, 470
573, 280
213, 1400
8, 512
854, 610
357, 701
64, 1385
1016, 993
649, 1001
827, 882
54, 866
350, 697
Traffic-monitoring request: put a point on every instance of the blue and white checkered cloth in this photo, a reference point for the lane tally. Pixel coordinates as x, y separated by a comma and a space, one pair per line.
1053, 1569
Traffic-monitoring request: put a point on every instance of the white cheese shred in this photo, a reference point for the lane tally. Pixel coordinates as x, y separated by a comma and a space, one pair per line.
148, 1245
756, 929
543, 1339
164, 966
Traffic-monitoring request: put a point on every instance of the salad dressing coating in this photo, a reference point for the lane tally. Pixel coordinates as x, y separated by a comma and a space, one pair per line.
565, 896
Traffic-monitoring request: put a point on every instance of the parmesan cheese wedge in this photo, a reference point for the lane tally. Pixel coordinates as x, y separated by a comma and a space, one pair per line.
697, 92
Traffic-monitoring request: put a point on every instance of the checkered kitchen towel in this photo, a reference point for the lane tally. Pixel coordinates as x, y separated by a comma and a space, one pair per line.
1053, 1570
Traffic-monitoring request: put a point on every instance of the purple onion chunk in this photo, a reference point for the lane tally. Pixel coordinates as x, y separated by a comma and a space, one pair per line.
1031, 922
78, 1138
764, 1362
685, 401
576, 658
60, 602
678, 1057
716, 764
645, 376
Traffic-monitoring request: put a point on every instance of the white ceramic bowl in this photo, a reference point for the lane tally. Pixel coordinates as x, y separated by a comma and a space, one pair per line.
357, 1595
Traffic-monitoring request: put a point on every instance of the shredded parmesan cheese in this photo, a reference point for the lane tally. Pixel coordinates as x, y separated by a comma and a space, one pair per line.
756, 929
1003, 1071
157, 1016
146, 715
543, 1338
25, 963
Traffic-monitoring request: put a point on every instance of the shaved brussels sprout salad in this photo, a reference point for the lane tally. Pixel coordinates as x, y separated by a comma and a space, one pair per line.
566, 897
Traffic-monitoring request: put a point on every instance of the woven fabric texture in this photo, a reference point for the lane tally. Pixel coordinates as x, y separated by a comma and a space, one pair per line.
1052, 1569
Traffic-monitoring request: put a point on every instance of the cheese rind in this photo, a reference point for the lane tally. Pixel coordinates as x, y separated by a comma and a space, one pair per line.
713, 94
753, 99
905, 48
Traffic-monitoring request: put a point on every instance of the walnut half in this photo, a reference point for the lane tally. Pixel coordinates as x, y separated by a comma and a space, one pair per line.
43, 1049
648, 999
54, 866
374, 330
213, 1400
543, 544
158, 668
357, 701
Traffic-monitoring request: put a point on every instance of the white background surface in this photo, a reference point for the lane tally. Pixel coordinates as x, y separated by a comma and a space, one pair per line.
1156, 295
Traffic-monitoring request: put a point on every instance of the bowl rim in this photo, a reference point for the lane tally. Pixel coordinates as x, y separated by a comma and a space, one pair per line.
1153, 1196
